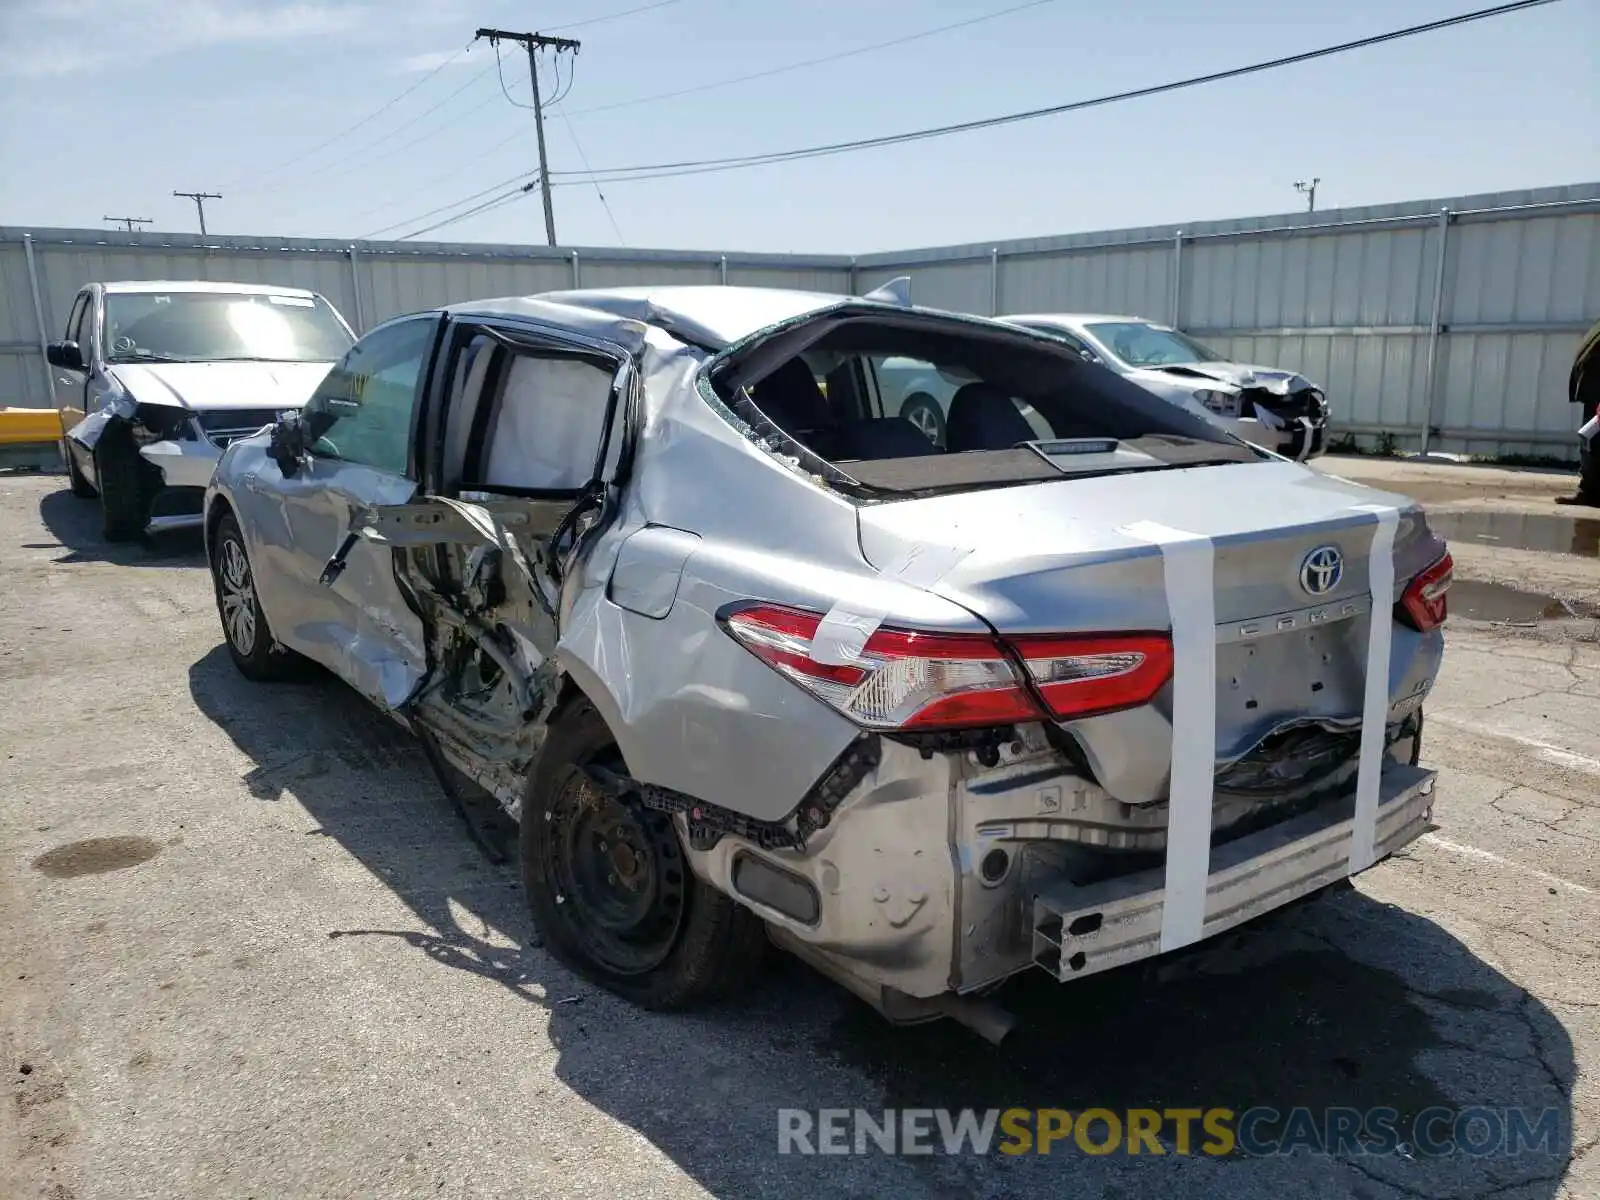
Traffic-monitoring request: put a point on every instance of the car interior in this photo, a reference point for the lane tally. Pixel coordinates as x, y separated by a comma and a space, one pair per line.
827, 398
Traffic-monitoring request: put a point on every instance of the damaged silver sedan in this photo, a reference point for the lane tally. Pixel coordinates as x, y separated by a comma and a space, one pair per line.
749, 658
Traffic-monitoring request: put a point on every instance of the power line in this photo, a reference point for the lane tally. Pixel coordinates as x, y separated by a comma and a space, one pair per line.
670, 170
453, 173
604, 203
627, 12
561, 93
813, 62
500, 71
343, 165
494, 187
346, 132
496, 202
711, 165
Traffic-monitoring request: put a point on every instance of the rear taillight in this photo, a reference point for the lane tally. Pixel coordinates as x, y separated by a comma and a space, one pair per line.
905, 679
1081, 675
1426, 601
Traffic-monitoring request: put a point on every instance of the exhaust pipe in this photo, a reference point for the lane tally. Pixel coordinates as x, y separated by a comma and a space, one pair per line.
984, 1017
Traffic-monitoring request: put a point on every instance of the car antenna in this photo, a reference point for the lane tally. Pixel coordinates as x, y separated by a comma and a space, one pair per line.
896, 291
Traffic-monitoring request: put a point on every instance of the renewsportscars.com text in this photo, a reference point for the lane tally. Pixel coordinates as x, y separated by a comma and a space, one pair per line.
1214, 1132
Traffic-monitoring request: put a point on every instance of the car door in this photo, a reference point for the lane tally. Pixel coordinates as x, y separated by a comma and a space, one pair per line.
69, 382
531, 431
329, 593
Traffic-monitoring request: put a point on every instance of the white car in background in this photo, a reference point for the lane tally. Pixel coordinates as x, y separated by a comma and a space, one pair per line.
1278, 410
153, 379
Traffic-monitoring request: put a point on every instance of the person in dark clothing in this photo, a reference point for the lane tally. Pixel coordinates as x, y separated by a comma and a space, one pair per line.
1583, 388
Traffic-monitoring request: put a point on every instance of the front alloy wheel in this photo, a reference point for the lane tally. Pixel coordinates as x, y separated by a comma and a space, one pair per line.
254, 650
237, 595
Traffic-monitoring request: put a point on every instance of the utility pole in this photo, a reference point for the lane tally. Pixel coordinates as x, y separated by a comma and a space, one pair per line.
129, 222
200, 199
1309, 190
533, 43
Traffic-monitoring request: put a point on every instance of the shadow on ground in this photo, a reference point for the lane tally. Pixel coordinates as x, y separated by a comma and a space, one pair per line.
75, 524
1341, 1001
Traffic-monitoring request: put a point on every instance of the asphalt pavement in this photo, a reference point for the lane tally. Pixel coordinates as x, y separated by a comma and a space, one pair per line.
247, 949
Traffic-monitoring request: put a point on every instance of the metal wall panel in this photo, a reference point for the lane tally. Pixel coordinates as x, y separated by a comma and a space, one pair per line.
1135, 280
833, 281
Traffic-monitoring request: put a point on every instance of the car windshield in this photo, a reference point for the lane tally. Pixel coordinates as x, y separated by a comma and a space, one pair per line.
222, 327
1141, 345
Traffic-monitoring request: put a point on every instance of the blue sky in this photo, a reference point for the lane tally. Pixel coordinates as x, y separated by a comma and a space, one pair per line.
107, 106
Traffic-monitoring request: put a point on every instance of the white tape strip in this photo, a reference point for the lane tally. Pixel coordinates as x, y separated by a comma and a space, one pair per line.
843, 632
1187, 562
1375, 701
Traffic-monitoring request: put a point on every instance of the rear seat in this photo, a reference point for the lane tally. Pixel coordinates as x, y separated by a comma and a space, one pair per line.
883, 437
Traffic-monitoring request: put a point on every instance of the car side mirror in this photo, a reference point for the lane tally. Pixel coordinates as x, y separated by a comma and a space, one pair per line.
287, 445
67, 355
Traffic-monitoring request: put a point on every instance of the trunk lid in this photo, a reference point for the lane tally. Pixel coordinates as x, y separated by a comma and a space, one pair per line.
1049, 558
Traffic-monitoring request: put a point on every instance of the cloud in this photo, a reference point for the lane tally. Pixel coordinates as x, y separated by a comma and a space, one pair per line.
61, 37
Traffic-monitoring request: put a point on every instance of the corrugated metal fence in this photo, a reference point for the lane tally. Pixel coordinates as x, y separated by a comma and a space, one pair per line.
1450, 323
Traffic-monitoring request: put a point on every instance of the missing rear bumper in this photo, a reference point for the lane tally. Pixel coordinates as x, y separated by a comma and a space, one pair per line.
1081, 930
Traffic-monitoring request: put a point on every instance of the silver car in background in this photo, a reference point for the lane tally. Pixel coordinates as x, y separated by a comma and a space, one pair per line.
155, 377
1280, 410
749, 658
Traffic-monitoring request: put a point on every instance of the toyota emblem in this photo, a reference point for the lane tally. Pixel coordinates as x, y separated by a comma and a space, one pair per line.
1321, 570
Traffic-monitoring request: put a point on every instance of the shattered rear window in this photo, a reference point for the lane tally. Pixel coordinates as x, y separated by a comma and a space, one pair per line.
916, 404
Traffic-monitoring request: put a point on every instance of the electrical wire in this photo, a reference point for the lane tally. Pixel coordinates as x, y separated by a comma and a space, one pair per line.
573, 130
454, 173
590, 176
493, 187
346, 132
343, 165
643, 8
349, 168
711, 165
813, 62
604, 203
486, 206
500, 71
561, 93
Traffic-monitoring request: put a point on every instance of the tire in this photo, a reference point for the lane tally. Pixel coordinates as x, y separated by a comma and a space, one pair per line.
923, 411
81, 487
124, 498
665, 941
255, 651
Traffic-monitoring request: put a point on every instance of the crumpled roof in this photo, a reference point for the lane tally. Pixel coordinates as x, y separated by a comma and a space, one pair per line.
710, 315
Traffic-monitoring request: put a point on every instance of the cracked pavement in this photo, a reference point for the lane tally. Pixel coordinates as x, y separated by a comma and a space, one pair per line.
304, 980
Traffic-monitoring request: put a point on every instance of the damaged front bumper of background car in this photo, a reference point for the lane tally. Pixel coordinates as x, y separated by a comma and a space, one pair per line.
176, 450
1283, 412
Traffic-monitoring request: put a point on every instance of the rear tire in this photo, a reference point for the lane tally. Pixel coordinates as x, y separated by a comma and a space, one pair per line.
124, 499
81, 487
251, 645
610, 890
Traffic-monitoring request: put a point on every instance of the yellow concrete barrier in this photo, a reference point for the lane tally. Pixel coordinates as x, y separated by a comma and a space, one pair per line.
26, 426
